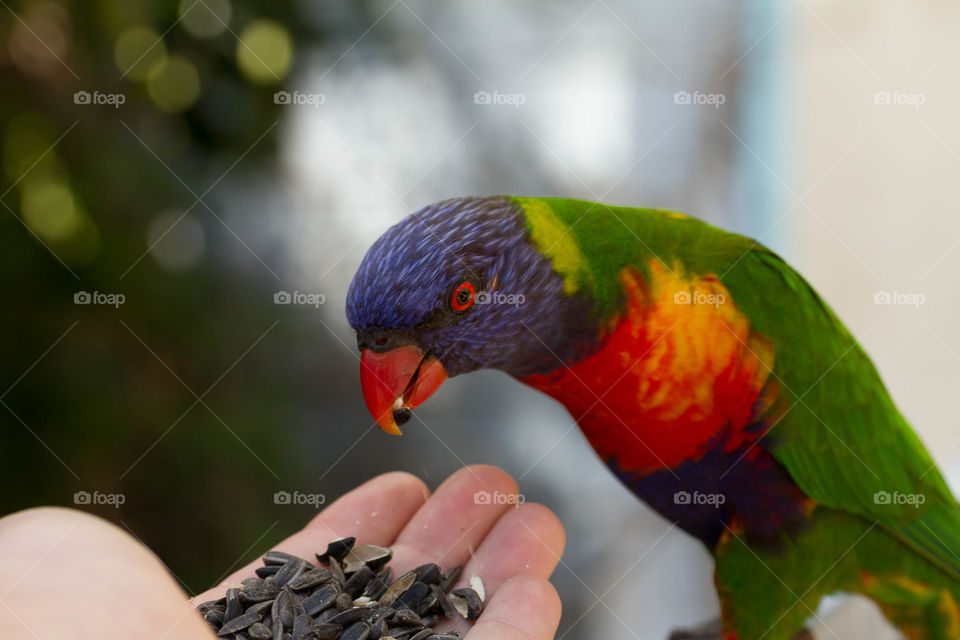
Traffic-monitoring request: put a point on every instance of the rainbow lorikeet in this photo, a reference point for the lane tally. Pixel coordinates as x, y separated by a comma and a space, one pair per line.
706, 373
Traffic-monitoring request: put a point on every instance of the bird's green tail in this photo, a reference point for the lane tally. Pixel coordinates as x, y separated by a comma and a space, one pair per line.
770, 592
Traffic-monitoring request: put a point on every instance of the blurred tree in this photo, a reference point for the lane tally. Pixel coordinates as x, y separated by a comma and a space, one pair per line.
118, 123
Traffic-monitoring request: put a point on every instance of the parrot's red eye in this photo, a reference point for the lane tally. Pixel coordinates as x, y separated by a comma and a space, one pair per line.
463, 297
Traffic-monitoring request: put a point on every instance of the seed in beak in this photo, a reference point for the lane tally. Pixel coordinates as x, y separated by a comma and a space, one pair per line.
402, 415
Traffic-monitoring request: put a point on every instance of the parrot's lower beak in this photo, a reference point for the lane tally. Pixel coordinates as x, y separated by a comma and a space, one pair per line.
395, 382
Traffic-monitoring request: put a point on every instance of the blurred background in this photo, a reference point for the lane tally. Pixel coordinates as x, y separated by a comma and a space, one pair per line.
171, 167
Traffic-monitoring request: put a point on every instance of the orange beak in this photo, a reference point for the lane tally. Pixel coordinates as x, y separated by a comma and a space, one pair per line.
395, 382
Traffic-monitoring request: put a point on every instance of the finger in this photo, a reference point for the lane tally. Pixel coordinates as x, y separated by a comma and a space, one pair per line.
525, 607
374, 512
528, 539
451, 525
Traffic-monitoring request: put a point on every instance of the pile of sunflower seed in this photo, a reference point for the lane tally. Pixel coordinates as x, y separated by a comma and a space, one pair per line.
352, 595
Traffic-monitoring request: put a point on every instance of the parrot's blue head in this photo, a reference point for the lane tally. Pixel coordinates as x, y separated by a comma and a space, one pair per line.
452, 288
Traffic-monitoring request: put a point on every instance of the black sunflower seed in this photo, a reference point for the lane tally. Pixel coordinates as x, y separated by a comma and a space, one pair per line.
354, 598
256, 590
326, 631
449, 578
407, 617
428, 573
325, 615
411, 597
349, 616
378, 629
344, 601
378, 586
291, 570
238, 624
259, 631
401, 631
321, 599
310, 578
445, 606
467, 603
337, 549
278, 558
301, 624
203, 606
337, 571
267, 570
397, 589
262, 608
282, 610
358, 581
214, 617
366, 555
297, 601
356, 631
234, 606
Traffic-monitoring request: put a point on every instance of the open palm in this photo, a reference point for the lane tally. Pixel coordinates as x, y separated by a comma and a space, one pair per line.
46, 554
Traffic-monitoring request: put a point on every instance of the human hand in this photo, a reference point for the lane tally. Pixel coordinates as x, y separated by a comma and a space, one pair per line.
68, 574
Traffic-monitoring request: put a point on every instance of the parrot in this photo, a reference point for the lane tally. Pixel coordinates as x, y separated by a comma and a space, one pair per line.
705, 372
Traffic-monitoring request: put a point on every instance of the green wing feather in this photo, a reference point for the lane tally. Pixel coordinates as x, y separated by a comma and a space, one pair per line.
842, 440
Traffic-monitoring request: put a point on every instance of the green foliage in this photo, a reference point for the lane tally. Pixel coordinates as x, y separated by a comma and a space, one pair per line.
81, 185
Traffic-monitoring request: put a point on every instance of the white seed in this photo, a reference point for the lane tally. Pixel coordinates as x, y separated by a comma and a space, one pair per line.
477, 585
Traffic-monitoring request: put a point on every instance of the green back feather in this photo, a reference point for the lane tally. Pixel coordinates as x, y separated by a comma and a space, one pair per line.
842, 440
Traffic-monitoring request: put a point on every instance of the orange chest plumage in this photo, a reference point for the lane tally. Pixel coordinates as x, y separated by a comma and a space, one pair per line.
679, 372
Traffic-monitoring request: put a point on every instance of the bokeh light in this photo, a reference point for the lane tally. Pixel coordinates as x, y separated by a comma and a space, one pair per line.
50, 209
39, 39
205, 19
176, 240
174, 85
264, 51
27, 145
138, 50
